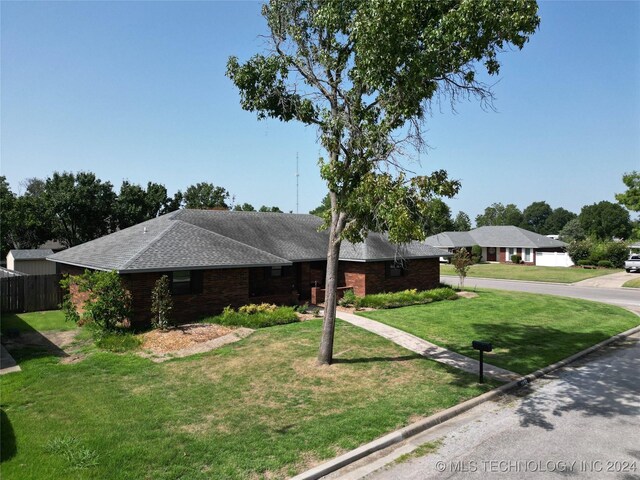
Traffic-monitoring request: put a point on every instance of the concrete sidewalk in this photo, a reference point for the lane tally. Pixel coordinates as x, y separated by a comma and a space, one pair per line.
7, 363
615, 280
426, 349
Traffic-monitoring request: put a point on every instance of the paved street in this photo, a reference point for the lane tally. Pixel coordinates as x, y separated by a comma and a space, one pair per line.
625, 297
584, 421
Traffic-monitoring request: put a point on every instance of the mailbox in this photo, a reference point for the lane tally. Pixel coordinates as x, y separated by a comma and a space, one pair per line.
482, 346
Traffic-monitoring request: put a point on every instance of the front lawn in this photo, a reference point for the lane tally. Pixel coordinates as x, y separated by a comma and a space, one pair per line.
633, 283
527, 331
259, 408
531, 273
42, 321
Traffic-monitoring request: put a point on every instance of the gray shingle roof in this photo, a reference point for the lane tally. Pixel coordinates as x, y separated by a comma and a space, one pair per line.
31, 254
190, 239
6, 273
497, 236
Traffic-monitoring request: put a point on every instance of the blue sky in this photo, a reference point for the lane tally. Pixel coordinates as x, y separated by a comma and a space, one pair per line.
137, 91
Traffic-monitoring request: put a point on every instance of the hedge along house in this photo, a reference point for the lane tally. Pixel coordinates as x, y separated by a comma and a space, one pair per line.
499, 243
218, 258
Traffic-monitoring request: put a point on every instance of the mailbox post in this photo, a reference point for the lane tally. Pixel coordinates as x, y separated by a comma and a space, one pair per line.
481, 347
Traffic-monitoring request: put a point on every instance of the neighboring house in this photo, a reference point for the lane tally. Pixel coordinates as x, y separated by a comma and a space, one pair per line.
219, 258
32, 262
500, 242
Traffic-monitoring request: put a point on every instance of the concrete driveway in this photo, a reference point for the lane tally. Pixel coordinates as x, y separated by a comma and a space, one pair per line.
583, 421
615, 280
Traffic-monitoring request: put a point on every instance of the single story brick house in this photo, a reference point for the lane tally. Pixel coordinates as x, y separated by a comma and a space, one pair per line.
218, 258
500, 242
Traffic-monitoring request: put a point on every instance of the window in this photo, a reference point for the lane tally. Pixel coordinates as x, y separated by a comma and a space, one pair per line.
186, 281
181, 282
527, 254
276, 272
395, 269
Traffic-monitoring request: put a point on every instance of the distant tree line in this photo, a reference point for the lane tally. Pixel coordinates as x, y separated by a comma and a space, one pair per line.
74, 208
601, 221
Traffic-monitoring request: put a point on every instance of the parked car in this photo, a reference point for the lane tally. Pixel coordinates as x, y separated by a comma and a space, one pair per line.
632, 264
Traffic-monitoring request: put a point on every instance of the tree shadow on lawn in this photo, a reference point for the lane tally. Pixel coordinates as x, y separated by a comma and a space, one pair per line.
401, 358
604, 386
7, 438
526, 348
25, 342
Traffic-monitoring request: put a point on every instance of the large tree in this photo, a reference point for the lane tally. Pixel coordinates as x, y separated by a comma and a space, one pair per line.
630, 198
498, 214
558, 219
462, 222
324, 208
206, 196
364, 74
135, 204
605, 220
7, 203
80, 207
534, 217
438, 217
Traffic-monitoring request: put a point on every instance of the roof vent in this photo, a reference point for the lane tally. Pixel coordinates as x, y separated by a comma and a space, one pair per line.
145, 230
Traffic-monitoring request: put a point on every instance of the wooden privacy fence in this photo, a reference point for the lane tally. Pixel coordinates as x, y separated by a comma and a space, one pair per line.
30, 293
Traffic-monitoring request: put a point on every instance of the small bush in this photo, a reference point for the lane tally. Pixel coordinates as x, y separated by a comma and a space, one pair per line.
516, 259
253, 308
585, 263
476, 253
605, 264
348, 299
264, 315
405, 298
304, 308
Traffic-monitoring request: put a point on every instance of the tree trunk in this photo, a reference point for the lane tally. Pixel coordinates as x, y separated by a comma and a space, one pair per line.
325, 356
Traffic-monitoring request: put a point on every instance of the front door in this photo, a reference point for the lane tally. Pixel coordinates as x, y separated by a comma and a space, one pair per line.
491, 254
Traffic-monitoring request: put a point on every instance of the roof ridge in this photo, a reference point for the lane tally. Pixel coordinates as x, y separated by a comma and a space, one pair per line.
234, 240
148, 246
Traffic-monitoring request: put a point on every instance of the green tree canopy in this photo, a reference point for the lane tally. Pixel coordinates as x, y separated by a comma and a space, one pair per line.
245, 207
80, 207
535, 216
558, 219
462, 222
572, 231
264, 208
499, 214
364, 74
631, 198
324, 208
438, 218
135, 204
605, 220
206, 196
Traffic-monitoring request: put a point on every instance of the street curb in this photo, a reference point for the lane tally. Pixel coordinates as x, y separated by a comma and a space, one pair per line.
419, 427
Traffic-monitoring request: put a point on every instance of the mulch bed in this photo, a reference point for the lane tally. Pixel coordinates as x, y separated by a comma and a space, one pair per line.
184, 336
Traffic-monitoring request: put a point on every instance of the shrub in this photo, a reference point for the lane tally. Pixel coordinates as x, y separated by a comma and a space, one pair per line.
161, 304
516, 259
304, 308
261, 316
348, 299
476, 253
67, 305
605, 264
579, 250
405, 298
584, 263
108, 304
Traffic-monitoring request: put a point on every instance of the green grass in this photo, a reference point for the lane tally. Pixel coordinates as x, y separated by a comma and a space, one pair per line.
633, 283
531, 273
42, 321
527, 331
257, 408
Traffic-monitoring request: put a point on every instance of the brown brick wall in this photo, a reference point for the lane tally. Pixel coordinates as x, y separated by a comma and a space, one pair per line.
370, 277
220, 288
